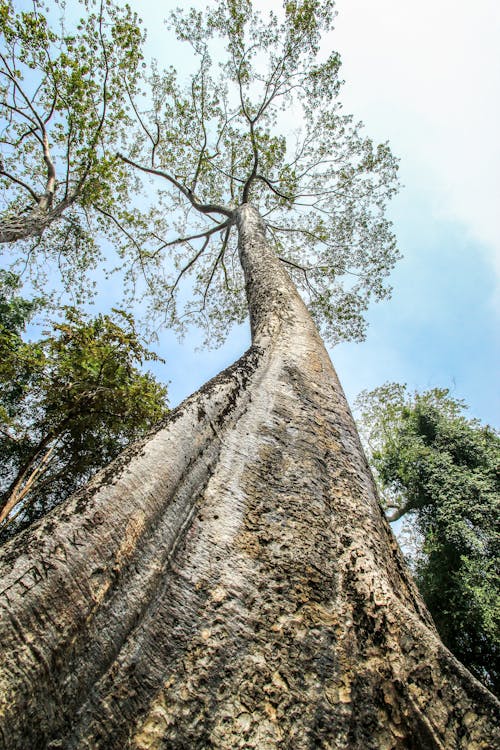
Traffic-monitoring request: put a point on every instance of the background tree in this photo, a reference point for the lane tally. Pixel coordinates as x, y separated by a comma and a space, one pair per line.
64, 88
441, 469
69, 403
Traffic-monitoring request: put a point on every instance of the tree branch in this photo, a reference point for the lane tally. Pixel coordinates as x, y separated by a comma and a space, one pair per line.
132, 240
18, 490
46, 200
204, 208
9, 435
15, 179
201, 119
274, 190
188, 266
104, 100
206, 233
154, 141
212, 274
224, 245
399, 513
33, 122
304, 271
253, 173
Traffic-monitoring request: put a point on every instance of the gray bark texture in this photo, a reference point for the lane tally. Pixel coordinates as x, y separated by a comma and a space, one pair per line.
231, 581
32, 223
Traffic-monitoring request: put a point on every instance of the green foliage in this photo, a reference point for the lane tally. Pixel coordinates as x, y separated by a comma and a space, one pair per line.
64, 96
69, 93
69, 403
225, 139
443, 469
16, 362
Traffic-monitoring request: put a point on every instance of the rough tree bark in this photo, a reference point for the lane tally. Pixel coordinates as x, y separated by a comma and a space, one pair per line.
33, 223
231, 581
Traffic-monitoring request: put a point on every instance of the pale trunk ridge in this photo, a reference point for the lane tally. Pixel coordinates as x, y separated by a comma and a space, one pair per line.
231, 581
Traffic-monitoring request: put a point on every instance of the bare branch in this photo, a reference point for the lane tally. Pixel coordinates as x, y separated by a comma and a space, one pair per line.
154, 141
204, 208
188, 266
52, 107
9, 435
17, 87
212, 274
253, 173
132, 240
240, 82
206, 233
46, 200
69, 142
224, 245
294, 265
271, 187
20, 111
28, 474
31, 131
304, 270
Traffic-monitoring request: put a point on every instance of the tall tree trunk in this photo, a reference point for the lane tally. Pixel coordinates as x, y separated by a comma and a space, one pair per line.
231, 581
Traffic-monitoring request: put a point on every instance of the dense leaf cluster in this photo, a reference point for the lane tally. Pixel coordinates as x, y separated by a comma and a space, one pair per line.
444, 469
69, 403
259, 120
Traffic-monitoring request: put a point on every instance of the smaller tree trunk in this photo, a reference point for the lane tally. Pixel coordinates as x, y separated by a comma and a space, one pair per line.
28, 475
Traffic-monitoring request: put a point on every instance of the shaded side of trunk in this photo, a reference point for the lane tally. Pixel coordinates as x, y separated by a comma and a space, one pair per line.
232, 581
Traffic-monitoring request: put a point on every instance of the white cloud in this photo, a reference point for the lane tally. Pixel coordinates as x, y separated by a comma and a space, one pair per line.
426, 76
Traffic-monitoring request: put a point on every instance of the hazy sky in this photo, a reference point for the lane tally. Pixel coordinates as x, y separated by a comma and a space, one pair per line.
426, 77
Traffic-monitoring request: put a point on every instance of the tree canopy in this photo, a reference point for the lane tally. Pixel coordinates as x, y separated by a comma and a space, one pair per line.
442, 469
69, 403
260, 121
64, 89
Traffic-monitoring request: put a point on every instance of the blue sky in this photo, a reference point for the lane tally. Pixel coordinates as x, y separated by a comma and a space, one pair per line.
426, 77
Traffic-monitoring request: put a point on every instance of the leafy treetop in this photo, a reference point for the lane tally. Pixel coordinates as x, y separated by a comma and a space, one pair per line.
64, 92
259, 121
